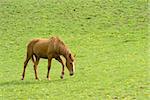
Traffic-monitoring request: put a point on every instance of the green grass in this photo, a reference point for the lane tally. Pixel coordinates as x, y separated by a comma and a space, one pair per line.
109, 37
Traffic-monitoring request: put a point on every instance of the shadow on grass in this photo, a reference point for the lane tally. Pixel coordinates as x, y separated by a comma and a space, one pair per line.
29, 82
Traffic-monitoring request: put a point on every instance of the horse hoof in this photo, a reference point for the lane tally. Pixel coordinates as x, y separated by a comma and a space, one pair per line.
37, 79
48, 79
22, 78
61, 77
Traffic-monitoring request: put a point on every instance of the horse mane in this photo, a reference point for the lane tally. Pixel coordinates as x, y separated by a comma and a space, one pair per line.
56, 38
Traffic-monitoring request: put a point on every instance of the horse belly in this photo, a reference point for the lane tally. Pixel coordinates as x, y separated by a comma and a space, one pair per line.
44, 57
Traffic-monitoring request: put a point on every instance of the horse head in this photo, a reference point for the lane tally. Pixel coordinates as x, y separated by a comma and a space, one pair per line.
70, 64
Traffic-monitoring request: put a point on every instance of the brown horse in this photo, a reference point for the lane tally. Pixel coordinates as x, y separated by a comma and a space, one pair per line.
48, 49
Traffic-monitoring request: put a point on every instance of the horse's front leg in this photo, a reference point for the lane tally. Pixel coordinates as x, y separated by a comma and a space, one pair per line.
62, 73
60, 60
49, 67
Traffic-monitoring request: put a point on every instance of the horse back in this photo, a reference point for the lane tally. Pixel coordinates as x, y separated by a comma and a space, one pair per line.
44, 47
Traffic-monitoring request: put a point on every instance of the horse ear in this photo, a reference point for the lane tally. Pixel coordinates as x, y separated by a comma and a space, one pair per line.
70, 56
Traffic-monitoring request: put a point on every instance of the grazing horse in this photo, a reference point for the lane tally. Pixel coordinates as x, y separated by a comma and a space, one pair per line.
49, 49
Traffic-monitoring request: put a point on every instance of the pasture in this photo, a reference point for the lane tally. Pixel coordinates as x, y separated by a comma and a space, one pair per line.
109, 37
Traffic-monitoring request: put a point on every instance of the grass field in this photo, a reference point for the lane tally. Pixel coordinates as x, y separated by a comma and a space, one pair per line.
109, 38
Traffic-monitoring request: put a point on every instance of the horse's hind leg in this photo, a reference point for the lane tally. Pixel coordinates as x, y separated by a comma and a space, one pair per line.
35, 66
25, 65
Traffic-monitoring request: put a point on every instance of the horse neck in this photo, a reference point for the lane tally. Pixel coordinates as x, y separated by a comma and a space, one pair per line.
64, 51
